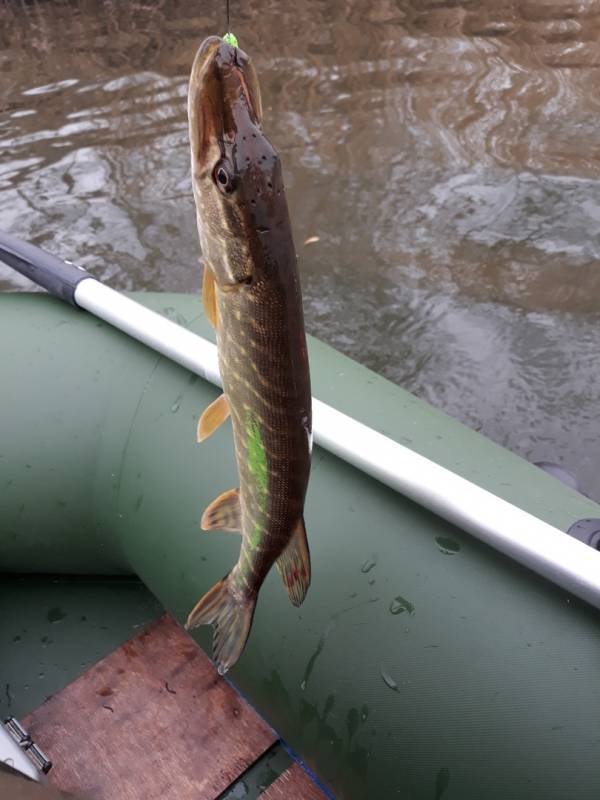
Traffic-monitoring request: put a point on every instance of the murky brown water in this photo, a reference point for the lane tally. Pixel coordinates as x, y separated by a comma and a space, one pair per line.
447, 154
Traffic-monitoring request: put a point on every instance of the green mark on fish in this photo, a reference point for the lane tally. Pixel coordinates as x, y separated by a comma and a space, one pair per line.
230, 38
257, 465
257, 458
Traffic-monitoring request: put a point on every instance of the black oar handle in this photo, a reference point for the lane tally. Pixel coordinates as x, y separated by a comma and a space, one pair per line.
56, 276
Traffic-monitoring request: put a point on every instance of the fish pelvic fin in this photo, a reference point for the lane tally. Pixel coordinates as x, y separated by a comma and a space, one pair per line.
224, 513
294, 565
212, 417
231, 616
209, 297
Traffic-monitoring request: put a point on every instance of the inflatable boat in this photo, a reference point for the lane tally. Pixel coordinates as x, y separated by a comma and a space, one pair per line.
449, 646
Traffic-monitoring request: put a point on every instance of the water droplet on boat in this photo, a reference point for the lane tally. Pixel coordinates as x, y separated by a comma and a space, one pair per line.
400, 604
369, 564
55, 615
447, 546
372, 582
176, 405
303, 685
364, 713
266, 778
352, 719
387, 679
239, 791
329, 704
442, 779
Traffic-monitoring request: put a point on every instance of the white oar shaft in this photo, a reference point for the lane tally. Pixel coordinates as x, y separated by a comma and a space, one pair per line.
525, 538
166, 337
511, 530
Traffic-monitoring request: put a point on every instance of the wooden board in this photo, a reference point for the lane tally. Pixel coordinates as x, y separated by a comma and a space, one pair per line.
293, 784
152, 720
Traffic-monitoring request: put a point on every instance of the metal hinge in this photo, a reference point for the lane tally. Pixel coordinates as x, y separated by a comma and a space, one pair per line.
25, 748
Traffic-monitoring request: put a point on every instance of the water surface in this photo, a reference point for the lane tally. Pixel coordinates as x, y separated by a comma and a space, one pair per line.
446, 154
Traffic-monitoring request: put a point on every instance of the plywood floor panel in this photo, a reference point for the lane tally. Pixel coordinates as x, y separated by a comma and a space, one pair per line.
152, 720
293, 784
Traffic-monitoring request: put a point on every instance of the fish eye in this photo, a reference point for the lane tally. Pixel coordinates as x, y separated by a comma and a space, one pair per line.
224, 179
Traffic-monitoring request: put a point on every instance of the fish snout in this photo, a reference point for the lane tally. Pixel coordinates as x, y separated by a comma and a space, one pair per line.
204, 54
208, 44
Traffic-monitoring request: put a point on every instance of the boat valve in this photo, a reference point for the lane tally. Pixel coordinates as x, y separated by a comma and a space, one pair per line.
587, 531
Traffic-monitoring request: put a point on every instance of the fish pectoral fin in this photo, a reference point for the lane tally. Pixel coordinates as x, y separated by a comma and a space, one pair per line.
209, 297
224, 513
294, 565
213, 416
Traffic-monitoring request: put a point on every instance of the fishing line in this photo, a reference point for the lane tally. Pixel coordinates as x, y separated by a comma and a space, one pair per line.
229, 37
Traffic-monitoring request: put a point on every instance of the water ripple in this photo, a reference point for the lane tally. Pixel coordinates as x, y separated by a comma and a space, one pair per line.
445, 152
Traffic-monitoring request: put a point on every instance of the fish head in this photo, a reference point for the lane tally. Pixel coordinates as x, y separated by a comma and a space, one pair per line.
236, 173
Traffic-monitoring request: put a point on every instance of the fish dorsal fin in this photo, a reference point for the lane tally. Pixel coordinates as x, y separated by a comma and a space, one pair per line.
294, 565
213, 416
224, 513
209, 296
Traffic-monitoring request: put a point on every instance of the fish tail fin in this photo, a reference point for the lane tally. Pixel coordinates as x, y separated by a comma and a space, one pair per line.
230, 615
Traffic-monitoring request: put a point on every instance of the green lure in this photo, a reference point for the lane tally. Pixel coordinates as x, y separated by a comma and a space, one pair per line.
229, 38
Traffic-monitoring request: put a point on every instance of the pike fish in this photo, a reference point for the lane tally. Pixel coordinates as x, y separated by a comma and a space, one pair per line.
251, 294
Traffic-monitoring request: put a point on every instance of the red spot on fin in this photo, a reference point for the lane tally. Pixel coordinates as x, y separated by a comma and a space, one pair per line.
294, 565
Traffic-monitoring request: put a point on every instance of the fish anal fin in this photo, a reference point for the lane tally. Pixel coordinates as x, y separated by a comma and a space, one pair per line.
231, 615
213, 416
209, 297
294, 565
224, 513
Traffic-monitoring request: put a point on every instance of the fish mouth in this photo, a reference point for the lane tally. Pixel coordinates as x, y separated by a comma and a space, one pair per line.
218, 59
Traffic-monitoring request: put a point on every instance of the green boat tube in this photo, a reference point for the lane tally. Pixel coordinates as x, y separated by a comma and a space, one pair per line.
423, 663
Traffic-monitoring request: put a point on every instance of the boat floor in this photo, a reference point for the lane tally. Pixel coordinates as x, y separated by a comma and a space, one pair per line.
155, 720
